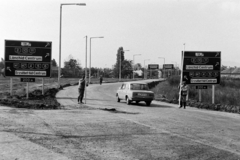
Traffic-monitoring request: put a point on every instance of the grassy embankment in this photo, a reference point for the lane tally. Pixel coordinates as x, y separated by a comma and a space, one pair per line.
227, 93
19, 87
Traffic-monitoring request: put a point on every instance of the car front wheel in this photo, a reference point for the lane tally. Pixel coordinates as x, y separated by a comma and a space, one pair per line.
128, 101
148, 103
118, 99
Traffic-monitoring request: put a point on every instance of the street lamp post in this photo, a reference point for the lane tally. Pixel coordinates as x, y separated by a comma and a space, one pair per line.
163, 66
60, 36
144, 68
120, 59
133, 61
90, 58
85, 72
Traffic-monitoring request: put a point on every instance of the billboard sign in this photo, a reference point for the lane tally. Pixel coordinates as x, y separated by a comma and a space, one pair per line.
153, 66
168, 66
27, 58
201, 67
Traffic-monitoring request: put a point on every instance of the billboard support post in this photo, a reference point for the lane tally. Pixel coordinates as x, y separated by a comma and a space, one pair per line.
42, 86
27, 90
11, 88
213, 94
200, 95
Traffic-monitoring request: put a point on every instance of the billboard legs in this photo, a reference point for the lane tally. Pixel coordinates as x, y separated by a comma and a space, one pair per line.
27, 90
213, 94
42, 86
11, 88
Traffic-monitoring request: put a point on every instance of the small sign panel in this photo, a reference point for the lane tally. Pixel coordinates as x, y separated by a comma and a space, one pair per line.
201, 87
168, 66
153, 66
27, 79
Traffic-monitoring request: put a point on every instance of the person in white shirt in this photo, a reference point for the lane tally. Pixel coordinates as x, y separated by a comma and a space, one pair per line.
183, 94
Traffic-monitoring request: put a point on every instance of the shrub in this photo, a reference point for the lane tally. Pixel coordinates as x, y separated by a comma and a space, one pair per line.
230, 82
227, 93
174, 80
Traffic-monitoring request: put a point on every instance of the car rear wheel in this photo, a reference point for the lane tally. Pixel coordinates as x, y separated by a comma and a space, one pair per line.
128, 101
148, 103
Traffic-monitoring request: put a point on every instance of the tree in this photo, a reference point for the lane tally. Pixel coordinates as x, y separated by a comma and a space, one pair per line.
72, 68
107, 72
137, 66
120, 57
126, 69
54, 63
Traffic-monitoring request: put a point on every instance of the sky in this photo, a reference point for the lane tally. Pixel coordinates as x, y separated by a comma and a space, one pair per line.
151, 28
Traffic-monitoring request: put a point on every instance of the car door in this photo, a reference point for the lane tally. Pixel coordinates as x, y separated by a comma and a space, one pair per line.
121, 91
126, 91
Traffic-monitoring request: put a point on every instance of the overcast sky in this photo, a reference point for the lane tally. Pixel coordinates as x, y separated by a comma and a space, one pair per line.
152, 28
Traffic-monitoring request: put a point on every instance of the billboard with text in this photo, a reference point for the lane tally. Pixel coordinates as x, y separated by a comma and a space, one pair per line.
201, 67
27, 58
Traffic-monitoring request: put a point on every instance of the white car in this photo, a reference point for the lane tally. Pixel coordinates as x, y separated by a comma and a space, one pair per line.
135, 91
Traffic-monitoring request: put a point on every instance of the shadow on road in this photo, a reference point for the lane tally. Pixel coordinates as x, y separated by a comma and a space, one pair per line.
99, 100
65, 98
151, 106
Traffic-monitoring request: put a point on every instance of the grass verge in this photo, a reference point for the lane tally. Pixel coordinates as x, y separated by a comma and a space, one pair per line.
227, 94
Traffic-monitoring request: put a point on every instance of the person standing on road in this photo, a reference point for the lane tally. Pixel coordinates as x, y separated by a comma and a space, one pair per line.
81, 88
183, 94
101, 79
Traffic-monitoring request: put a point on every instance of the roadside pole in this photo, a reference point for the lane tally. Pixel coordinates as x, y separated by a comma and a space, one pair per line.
86, 73
179, 99
213, 94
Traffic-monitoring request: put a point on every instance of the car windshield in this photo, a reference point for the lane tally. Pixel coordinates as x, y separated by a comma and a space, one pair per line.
137, 86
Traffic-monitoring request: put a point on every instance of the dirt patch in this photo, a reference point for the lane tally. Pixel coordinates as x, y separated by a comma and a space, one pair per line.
35, 101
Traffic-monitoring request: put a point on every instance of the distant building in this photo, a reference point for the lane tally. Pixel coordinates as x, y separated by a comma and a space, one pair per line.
231, 72
139, 73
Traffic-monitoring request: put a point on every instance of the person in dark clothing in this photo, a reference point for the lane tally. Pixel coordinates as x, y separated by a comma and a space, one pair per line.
183, 94
81, 88
101, 79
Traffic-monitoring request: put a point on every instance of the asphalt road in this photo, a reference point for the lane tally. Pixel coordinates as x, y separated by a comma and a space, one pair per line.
104, 129
161, 131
